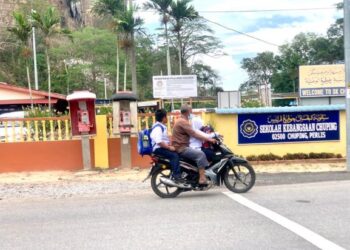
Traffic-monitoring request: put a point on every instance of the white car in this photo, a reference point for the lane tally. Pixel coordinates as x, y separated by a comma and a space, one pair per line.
15, 114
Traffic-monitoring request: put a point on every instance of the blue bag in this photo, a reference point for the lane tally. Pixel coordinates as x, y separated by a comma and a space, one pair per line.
144, 142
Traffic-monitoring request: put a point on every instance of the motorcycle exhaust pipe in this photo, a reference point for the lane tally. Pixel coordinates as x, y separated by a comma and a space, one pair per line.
170, 183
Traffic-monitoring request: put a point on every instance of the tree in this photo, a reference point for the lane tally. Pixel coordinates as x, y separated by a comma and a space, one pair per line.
108, 8
181, 12
22, 31
208, 79
111, 9
335, 35
197, 39
87, 63
4, 42
12, 65
260, 70
304, 49
163, 7
49, 25
128, 26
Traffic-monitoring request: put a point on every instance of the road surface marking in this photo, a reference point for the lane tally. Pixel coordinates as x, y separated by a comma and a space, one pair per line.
302, 231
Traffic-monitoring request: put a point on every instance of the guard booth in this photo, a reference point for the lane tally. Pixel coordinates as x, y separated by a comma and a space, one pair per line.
125, 123
83, 120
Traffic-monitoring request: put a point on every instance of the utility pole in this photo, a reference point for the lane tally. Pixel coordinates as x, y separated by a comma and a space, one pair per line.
35, 63
347, 77
105, 85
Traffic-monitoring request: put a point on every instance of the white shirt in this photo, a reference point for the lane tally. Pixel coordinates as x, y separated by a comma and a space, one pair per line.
197, 124
159, 135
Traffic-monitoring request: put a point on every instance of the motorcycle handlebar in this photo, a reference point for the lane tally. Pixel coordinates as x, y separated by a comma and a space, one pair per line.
218, 138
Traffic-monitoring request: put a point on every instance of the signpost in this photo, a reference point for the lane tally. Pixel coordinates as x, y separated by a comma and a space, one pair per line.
229, 99
176, 86
322, 80
288, 127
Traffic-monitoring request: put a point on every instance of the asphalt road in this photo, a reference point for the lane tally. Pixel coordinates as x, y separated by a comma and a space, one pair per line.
197, 220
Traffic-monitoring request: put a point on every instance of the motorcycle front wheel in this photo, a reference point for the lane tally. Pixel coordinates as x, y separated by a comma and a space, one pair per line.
159, 188
239, 177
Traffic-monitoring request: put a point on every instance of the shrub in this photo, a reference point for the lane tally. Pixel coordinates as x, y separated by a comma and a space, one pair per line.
252, 158
41, 111
339, 156
301, 156
104, 110
264, 157
295, 156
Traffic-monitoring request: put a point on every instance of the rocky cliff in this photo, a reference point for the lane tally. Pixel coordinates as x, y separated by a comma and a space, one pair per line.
73, 13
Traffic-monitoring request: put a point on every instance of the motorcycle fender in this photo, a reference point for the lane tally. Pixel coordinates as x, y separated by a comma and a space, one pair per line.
238, 160
154, 168
231, 160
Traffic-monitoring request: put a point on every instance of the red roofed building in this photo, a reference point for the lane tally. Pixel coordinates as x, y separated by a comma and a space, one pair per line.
14, 98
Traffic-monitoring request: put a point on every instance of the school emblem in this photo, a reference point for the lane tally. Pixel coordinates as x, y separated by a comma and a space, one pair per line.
249, 129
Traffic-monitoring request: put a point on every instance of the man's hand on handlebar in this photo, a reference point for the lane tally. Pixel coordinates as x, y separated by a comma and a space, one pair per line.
211, 140
218, 137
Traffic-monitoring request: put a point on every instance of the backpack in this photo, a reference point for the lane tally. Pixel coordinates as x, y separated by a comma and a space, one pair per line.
144, 143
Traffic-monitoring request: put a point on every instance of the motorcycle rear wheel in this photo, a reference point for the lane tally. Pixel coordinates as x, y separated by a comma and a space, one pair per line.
160, 188
239, 175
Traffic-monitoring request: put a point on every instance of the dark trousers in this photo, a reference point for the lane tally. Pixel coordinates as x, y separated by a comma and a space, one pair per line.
209, 153
173, 158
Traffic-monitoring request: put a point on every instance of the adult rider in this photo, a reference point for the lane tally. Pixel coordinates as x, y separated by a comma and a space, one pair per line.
182, 132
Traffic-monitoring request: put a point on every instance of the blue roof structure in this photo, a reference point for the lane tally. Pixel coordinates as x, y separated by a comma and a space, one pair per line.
280, 109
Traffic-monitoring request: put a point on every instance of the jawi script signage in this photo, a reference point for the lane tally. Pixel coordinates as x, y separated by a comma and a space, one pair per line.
288, 127
322, 80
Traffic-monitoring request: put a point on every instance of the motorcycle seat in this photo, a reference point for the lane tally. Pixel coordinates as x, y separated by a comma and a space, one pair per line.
189, 161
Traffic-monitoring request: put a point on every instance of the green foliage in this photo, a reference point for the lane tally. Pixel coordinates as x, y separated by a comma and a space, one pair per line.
208, 79
23, 28
108, 7
104, 110
249, 103
193, 35
161, 6
40, 111
84, 62
295, 156
181, 12
127, 25
282, 70
260, 68
48, 22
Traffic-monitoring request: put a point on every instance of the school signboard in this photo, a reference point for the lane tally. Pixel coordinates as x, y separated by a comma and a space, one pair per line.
288, 127
322, 80
176, 86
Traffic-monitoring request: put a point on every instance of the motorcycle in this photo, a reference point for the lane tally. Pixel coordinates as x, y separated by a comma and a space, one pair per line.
236, 173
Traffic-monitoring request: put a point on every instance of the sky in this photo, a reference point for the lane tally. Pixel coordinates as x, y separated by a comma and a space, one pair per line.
276, 27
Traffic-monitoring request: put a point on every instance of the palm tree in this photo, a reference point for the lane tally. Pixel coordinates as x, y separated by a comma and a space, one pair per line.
108, 7
128, 25
163, 7
22, 31
111, 8
49, 24
181, 12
